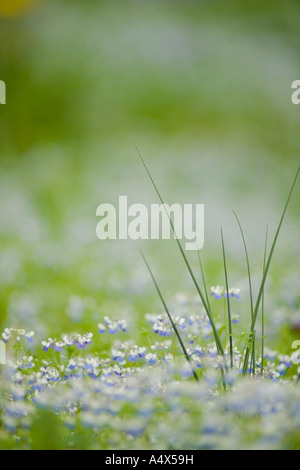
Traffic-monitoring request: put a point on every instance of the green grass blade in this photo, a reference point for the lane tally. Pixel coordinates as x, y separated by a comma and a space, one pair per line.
171, 320
265, 274
203, 279
253, 359
206, 306
228, 302
263, 309
249, 279
248, 265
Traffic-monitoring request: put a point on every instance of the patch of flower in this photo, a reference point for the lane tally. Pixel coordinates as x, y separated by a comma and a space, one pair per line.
17, 335
112, 326
145, 396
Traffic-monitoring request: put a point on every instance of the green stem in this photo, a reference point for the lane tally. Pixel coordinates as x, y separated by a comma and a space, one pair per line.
228, 303
206, 306
263, 281
171, 321
263, 310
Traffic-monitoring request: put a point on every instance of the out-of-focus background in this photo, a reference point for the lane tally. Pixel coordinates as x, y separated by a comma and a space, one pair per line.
204, 88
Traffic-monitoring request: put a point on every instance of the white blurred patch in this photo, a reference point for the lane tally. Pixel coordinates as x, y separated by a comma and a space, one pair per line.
2, 353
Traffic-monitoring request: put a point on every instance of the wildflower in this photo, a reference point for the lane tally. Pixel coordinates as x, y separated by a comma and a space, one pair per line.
191, 339
271, 355
161, 346
180, 322
132, 357
217, 292
233, 292
285, 360
199, 351
141, 352
80, 341
168, 358
213, 352
18, 334
25, 363
112, 326
101, 328
282, 368
122, 324
16, 410
197, 361
18, 392
151, 359
53, 343
118, 356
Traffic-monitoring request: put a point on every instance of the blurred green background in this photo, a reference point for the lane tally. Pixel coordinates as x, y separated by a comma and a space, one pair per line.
204, 88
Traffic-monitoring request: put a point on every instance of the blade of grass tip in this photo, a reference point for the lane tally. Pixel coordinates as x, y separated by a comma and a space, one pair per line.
228, 302
171, 320
206, 307
248, 264
263, 309
263, 281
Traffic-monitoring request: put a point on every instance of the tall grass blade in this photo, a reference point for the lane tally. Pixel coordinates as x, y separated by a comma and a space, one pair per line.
248, 264
263, 309
171, 320
203, 279
265, 274
253, 358
206, 306
228, 302
249, 277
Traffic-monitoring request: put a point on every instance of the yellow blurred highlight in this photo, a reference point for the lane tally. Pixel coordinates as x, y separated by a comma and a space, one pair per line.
14, 7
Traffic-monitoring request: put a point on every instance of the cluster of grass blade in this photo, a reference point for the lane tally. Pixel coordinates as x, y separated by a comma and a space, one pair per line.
171, 321
263, 309
228, 302
249, 357
252, 336
267, 263
202, 297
